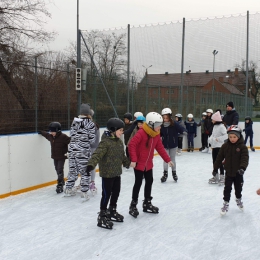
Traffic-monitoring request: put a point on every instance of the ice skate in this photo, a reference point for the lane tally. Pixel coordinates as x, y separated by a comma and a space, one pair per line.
164, 177
179, 151
69, 192
103, 220
252, 149
174, 176
205, 150
240, 204
59, 188
214, 179
78, 188
93, 188
84, 196
188, 150
133, 211
209, 150
148, 207
191, 148
113, 215
221, 179
201, 149
225, 208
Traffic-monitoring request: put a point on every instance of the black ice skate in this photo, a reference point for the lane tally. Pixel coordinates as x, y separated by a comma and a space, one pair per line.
202, 148
113, 215
133, 211
103, 220
164, 177
252, 149
188, 150
174, 176
191, 148
59, 188
148, 207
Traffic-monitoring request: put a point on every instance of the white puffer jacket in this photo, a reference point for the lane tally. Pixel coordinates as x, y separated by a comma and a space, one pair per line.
219, 135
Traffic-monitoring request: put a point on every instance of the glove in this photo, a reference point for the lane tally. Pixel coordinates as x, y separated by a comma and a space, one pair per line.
133, 164
195, 135
89, 168
215, 172
241, 172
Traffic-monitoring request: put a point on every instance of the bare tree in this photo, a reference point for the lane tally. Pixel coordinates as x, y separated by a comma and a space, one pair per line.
20, 22
254, 79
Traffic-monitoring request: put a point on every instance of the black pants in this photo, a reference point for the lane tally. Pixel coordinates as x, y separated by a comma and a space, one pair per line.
59, 166
148, 176
251, 139
214, 157
238, 184
204, 140
180, 142
110, 189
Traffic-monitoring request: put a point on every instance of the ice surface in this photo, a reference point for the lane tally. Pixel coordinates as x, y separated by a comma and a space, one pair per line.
44, 225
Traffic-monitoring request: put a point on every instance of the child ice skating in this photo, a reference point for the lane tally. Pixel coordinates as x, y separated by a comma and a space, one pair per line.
178, 118
128, 124
204, 137
191, 127
59, 148
208, 126
249, 132
217, 138
141, 150
236, 158
110, 156
139, 124
82, 135
169, 134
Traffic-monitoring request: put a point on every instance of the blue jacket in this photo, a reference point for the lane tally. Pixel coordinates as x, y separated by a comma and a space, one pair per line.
249, 128
169, 135
191, 127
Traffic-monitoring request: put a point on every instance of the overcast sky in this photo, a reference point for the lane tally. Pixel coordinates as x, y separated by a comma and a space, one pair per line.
103, 14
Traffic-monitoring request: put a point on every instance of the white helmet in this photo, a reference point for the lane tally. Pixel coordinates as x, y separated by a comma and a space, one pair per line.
209, 110
154, 119
166, 111
234, 129
190, 115
204, 114
136, 114
178, 115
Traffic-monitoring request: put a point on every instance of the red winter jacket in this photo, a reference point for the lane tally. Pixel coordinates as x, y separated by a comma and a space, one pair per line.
142, 155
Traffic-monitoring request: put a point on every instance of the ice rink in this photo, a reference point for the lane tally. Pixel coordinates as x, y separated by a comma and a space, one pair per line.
44, 225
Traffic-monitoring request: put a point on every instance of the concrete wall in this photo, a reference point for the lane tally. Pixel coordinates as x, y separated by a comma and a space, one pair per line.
25, 162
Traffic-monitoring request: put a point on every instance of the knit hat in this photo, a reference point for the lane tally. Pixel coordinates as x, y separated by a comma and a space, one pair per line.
235, 133
230, 104
216, 117
85, 109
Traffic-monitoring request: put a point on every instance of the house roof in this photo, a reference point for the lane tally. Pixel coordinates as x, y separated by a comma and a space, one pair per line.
233, 89
196, 79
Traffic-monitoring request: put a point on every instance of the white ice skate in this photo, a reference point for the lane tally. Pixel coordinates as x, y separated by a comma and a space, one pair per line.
221, 179
214, 179
93, 188
240, 204
225, 208
205, 150
179, 152
209, 151
84, 196
69, 192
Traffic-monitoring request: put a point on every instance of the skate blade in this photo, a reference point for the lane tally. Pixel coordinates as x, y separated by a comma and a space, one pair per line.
152, 212
116, 220
104, 226
134, 215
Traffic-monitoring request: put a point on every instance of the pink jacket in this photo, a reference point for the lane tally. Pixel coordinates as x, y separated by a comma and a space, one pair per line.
142, 155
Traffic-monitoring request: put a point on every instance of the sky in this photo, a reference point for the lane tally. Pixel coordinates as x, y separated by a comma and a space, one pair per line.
104, 14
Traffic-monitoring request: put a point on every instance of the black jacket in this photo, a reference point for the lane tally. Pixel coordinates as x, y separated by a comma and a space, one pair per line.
208, 125
231, 118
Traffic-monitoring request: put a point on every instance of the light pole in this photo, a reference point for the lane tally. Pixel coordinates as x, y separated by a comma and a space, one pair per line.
146, 88
213, 82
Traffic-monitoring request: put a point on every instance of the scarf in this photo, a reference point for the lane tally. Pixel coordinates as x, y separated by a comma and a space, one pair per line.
166, 124
150, 131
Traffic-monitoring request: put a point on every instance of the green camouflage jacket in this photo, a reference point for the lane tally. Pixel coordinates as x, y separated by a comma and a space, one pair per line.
110, 156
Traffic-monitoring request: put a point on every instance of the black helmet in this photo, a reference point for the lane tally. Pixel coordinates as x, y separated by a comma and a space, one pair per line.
128, 116
113, 124
55, 127
248, 118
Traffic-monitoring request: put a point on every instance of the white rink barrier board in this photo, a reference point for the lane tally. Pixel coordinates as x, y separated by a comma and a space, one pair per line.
26, 164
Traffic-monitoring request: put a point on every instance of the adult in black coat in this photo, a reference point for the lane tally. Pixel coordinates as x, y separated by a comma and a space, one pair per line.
231, 117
